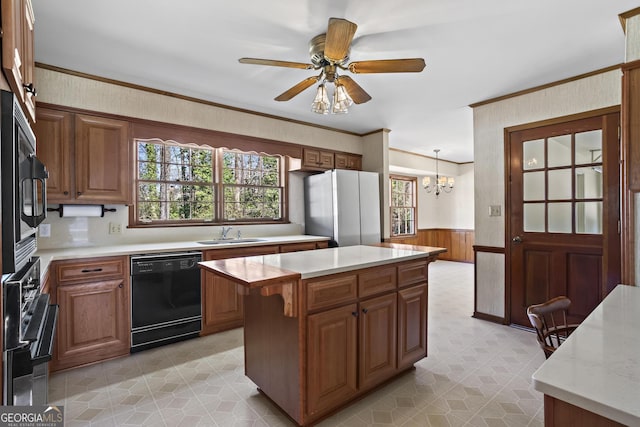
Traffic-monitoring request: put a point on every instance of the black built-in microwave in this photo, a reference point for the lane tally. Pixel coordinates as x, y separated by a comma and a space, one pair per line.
23, 185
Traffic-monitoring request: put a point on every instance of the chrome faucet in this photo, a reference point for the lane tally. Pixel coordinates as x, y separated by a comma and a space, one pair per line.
224, 232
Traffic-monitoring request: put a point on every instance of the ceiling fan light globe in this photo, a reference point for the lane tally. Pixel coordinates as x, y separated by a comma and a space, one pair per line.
321, 103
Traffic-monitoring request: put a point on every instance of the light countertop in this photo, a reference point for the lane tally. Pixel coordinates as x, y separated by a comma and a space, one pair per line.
323, 262
48, 255
598, 367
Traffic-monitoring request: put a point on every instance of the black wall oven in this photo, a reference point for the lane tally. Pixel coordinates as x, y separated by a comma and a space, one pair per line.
22, 180
29, 329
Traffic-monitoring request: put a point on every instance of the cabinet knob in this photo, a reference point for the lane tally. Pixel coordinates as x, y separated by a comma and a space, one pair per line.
121, 286
66, 193
354, 313
79, 193
365, 310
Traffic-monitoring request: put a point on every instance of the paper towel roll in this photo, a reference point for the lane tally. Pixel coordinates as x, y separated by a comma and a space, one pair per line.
81, 210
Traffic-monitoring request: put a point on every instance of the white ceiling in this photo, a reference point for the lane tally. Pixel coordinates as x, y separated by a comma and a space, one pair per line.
474, 50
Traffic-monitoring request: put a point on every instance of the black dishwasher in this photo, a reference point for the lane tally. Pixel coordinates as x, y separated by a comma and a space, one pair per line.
165, 299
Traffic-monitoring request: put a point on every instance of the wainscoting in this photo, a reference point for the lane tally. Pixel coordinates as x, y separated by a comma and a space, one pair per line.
459, 243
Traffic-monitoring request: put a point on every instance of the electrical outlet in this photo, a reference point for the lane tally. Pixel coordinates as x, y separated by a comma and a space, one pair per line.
495, 210
44, 230
115, 228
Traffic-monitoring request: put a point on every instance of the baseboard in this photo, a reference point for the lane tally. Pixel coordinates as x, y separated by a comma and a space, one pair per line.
489, 318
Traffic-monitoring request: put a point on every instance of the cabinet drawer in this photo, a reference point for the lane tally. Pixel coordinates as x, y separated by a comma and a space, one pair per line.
412, 273
376, 281
295, 247
332, 291
90, 269
239, 252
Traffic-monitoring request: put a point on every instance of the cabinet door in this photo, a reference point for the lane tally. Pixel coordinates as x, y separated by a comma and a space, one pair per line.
54, 133
331, 358
317, 159
222, 306
378, 340
93, 322
412, 327
102, 160
17, 51
346, 161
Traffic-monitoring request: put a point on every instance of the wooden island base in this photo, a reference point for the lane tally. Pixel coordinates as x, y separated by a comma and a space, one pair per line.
314, 345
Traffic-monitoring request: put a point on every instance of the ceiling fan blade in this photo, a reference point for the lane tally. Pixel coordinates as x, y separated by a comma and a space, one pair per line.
275, 63
290, 93
339, 36
354, 90
411, 65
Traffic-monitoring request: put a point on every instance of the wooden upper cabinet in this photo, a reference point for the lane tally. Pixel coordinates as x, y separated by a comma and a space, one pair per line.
102, 160
317, 159
54, 134
87, 157
17, 52
631, 122
348, 161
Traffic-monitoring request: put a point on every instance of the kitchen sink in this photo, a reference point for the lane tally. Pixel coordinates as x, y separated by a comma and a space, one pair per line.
228, 241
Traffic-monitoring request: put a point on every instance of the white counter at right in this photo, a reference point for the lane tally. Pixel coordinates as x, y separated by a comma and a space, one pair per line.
598, 368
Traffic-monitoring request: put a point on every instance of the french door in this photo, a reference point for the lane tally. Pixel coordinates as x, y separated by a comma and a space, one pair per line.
564, 211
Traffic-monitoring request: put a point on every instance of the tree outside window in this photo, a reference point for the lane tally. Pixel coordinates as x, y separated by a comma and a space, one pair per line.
184, 183
403, 206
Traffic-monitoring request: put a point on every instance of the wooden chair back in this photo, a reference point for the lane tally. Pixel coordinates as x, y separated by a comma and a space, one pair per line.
550, 322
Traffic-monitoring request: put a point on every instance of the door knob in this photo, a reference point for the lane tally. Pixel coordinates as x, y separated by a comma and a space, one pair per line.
517, 240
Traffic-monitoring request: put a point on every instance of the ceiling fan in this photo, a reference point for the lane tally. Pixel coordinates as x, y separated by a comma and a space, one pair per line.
329, 54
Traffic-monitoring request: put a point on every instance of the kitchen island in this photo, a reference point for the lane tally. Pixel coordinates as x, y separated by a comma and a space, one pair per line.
324, 327
593, 379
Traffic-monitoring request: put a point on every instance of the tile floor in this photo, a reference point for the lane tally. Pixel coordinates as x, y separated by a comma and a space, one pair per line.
477, 373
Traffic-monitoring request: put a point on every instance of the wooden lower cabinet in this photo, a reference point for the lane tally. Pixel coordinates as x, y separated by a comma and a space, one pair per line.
222, 305
332, 340
94, 319
93, 323
378, 330
377, 340
412, 325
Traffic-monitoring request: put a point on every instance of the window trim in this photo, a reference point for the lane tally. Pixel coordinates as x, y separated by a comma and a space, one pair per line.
414, 182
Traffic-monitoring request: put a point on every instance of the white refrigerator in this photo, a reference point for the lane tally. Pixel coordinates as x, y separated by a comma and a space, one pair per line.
343, 205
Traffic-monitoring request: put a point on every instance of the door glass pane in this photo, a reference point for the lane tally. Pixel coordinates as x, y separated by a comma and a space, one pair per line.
589, 147
589, 217
559, 217
533, 183
559, 150
533, 154
533, 217
589, 183
559, 184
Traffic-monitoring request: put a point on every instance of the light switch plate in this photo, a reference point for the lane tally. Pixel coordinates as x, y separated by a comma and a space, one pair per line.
495, 210
44, 230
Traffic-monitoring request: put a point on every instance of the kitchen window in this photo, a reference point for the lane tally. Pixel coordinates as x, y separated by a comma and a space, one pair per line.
403, 206
251, 184
196, 184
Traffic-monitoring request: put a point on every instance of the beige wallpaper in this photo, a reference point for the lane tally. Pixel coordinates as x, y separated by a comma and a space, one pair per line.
489, 121
64, 89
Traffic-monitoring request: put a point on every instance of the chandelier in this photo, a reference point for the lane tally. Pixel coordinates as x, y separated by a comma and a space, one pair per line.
441, 183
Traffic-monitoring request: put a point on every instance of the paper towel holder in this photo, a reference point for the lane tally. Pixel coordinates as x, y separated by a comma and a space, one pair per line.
60, 210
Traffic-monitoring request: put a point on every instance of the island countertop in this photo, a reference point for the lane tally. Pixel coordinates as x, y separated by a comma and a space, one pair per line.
598, 367
321, 262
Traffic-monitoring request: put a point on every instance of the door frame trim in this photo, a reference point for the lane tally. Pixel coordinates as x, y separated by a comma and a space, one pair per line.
507, 193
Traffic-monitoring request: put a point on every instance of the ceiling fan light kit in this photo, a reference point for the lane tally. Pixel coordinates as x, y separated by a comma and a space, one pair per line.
328, 52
